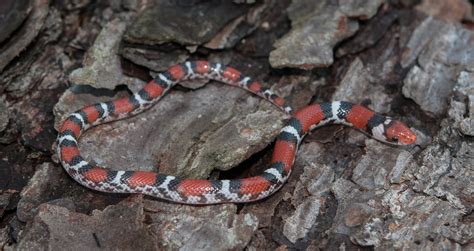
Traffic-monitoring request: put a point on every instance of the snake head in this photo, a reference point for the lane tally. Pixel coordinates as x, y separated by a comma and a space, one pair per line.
398, 133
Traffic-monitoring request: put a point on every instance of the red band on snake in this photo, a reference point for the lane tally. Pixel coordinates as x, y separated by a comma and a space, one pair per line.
195, 191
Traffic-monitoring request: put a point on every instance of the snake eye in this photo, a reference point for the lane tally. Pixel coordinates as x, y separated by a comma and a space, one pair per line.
399, 133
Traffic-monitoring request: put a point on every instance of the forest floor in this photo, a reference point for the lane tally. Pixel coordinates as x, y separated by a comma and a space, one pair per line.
409, 59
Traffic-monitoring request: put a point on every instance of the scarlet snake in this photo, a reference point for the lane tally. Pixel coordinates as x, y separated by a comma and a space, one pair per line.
194, 191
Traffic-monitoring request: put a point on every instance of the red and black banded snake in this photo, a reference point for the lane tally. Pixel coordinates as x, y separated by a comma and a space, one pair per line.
199, 191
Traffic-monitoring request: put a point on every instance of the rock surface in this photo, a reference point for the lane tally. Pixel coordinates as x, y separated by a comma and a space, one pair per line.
440, 61
4, 115
451, 11
405, 59
316, 28
115, 227
185, 134
189, 228
182, 23
40, 189
358, 86
101, 65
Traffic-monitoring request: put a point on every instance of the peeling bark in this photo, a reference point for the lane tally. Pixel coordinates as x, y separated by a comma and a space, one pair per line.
405, 59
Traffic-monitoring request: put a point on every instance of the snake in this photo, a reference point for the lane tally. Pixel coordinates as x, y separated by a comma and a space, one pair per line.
203, 191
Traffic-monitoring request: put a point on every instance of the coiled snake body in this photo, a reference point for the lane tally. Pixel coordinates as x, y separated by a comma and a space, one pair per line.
197, 191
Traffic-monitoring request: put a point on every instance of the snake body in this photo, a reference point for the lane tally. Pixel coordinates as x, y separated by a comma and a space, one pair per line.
199, 191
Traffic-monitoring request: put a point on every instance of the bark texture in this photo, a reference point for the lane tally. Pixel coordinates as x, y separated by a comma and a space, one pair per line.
413, 60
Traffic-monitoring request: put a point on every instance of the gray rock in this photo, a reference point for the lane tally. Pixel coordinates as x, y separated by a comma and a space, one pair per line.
371, 233
465, 85
358, 85
419, 82
404, 161
208, 145
4, 115
373, 168
431, 197
359, 8
357, 204
101, 65
440, 61
419, 219
453, 11
419, 38
190, 228
447, 177
422, 139
350, 197
464, 81
316, 28
40, 189
467, 125
462, 232
422, 217
310, 42
174, 22
316, 177
360, 212
116, 227
346, 191
302, 219
209, 137
4, 238
45, 73
446, 171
